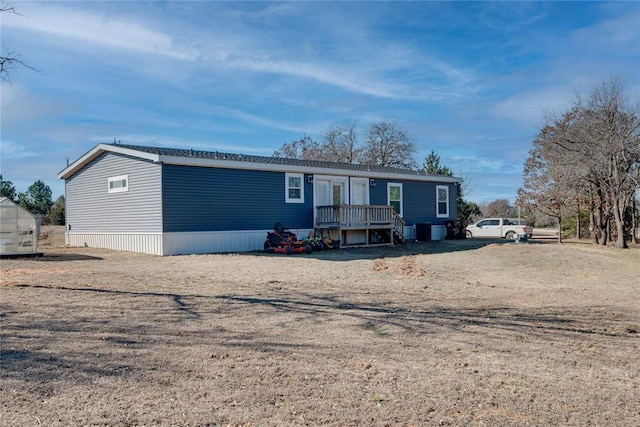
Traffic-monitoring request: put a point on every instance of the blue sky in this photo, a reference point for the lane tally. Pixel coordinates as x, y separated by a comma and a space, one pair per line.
470, 80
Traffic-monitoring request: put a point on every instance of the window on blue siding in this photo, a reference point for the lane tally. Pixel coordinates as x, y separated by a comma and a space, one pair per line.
294, 187
442, 201
394, 196
118, 184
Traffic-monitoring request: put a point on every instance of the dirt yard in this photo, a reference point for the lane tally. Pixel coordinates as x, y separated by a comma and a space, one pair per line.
438, 333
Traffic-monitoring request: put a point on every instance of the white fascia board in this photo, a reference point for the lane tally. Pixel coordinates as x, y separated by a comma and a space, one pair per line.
133, 153
274, 167
99, 149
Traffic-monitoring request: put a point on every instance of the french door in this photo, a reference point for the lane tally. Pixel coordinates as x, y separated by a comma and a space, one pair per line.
330, 191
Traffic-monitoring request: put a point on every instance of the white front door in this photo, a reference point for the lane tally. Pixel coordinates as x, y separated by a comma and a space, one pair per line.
359, 191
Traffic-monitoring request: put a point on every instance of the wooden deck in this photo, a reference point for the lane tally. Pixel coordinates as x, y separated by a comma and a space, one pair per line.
361, 225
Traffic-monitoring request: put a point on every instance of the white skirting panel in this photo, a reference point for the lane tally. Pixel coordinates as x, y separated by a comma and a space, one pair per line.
205, 242
438, 232
147, 243
208, 242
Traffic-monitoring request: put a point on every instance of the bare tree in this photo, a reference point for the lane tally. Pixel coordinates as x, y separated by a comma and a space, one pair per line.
9, 59
303, 149
544, 187
388, 145
612, 139
590, 156
385, 145
340, 144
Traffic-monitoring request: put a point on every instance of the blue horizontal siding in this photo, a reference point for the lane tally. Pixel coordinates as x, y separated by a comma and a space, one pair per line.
218, 199
419, 200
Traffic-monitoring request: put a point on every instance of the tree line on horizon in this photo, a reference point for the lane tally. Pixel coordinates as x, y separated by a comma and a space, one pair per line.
585, 166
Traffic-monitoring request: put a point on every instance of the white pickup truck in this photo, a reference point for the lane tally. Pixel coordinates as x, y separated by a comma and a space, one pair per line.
498, 227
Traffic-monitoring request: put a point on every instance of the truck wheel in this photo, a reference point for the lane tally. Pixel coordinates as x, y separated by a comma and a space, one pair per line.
511, 235
469, 235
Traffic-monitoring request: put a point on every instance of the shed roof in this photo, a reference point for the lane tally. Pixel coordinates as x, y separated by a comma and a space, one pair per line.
201, 158
7, 202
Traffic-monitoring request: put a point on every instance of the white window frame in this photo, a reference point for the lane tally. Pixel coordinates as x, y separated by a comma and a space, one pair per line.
438, 214
122, 188
396, 184
287, 188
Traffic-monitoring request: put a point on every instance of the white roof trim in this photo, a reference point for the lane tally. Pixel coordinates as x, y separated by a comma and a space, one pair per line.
99, 149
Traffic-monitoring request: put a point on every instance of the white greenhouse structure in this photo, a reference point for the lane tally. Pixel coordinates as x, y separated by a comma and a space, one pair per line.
18, 230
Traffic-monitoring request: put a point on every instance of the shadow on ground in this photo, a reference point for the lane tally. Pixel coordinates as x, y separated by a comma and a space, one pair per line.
376, 314
409, 248
58, 257
74, 338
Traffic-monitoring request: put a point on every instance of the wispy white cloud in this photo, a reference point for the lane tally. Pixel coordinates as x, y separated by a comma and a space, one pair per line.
332, 76
510, 16
12, 151
256, 119
238, 45
529, 108
115, 31
385, 79
619, 32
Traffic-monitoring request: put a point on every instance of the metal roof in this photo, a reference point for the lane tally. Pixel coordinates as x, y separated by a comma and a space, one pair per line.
222, 159
181, 152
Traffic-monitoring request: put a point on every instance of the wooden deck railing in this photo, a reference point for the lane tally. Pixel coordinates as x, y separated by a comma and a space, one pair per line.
398, 225
356, 217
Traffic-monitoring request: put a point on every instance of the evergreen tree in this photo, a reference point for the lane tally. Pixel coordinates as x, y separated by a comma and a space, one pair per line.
7, 189
37, 198
431, 166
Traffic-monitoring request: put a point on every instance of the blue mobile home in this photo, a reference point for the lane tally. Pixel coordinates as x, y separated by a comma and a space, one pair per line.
175, 201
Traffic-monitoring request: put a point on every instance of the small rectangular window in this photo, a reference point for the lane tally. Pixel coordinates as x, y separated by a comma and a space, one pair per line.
294, 188
442, 201
394, 196
118, 184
